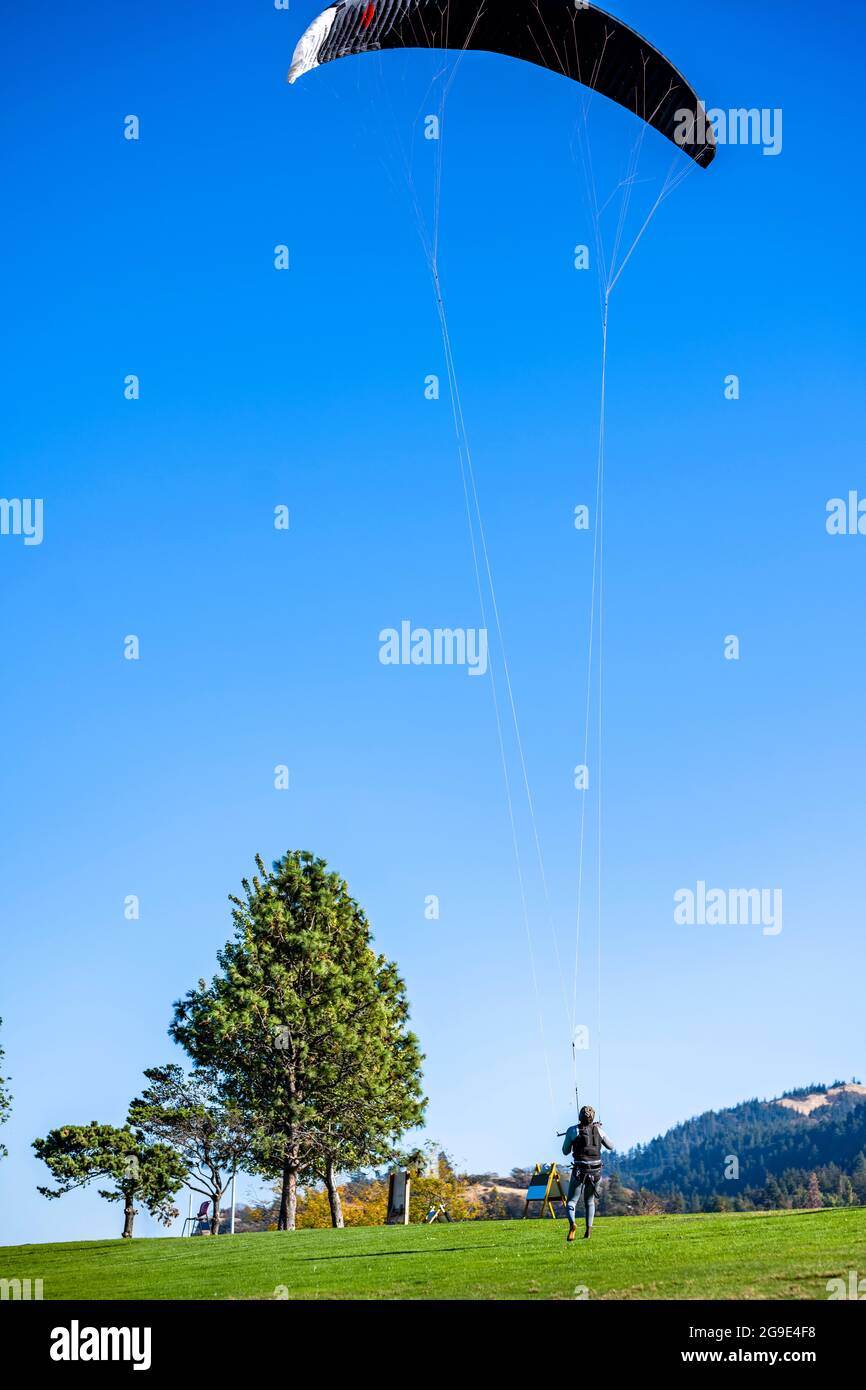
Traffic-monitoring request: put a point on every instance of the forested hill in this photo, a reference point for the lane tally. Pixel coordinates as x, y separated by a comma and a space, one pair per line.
762, 1152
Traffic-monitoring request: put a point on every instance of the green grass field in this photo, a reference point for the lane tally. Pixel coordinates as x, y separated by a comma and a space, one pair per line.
759, 1255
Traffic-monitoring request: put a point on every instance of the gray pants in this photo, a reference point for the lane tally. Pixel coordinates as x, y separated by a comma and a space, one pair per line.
585, 1179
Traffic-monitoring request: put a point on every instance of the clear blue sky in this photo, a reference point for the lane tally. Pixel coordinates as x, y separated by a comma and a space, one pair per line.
259, 648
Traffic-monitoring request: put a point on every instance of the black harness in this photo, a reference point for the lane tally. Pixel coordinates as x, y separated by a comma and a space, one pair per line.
586, 1153
586, 1149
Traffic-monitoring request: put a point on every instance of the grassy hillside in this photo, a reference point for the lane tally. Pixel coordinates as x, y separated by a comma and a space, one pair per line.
761, 1255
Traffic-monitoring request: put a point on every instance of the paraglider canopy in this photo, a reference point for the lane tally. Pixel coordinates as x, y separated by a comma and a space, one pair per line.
577, 40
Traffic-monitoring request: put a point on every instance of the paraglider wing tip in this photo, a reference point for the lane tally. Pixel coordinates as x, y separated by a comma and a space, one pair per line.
306, 54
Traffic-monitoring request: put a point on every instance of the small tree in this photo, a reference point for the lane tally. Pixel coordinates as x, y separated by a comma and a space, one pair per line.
813, 1196
151, 1174
189, 1113
5, 1100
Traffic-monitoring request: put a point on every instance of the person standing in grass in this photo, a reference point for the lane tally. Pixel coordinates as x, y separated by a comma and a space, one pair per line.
584, 1141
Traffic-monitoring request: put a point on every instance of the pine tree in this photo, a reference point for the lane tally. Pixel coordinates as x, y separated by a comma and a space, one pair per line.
813, 1195
307, 1026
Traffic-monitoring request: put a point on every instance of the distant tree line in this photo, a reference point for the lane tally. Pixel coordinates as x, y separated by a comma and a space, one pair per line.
747, 1151
827, 1186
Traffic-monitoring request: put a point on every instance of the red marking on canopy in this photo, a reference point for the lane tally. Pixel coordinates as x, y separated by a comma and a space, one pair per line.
367, 17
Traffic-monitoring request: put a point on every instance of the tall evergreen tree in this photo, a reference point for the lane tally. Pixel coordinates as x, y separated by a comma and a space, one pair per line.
308, 1026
